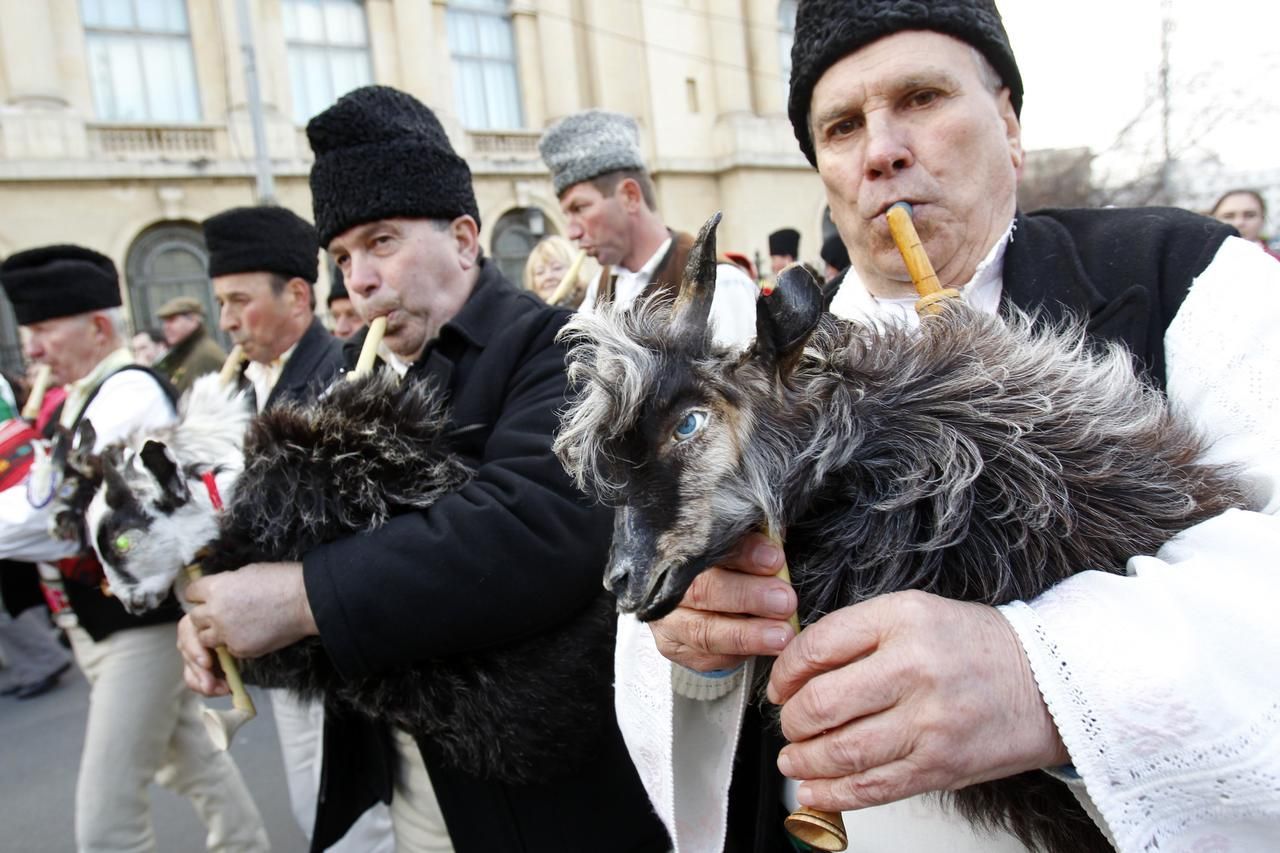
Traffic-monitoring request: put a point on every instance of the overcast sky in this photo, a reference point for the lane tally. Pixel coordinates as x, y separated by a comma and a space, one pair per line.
1089, 66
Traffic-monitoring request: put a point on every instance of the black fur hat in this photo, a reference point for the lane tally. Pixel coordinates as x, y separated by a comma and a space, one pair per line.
337, 287
59, 281
261, 239
829, 30
380, 153
785, 241
834, 252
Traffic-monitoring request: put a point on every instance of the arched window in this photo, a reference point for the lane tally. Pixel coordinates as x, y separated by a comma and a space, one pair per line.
786, 38
168, 260
485, 81
328, 46
514, 237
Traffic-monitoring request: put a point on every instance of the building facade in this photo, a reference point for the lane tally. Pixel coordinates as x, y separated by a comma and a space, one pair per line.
124, 123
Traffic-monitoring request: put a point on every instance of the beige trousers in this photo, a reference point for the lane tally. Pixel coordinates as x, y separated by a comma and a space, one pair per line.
300, 726
415, 814
144, 726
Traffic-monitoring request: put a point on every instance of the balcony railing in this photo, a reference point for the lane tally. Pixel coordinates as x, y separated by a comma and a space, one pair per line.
504, 144
153, 142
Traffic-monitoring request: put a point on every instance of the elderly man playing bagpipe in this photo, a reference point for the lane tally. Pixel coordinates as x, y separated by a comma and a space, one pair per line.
1154, 695
510, 556
143, 726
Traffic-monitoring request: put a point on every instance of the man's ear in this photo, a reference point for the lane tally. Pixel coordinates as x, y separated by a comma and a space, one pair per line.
1012, 128
785, 318
466, 235
631, 195
299, 291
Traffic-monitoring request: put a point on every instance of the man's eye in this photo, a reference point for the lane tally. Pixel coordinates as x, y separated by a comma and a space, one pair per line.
922, 98
844, 127
689, 426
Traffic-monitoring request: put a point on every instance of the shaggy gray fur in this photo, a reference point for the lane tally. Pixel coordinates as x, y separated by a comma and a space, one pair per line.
979, 459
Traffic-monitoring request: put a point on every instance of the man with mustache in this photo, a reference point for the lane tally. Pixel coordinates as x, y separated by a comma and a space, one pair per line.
514, 553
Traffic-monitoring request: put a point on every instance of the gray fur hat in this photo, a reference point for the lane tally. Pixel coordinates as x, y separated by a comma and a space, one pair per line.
588, 144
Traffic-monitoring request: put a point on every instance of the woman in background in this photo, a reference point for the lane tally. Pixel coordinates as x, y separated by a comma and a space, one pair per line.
546, 268
1247, 212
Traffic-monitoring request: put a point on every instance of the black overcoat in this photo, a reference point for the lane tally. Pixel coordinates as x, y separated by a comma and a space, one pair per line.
513, 553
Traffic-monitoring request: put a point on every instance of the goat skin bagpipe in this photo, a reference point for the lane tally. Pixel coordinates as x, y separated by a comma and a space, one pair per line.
369, 449
978, 458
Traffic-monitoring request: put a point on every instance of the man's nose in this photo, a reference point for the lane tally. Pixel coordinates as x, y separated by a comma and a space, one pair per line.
574, 231
226, 319
888, 151
361, 276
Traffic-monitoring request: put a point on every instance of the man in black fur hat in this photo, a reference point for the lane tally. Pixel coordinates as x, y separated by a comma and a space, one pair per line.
142, 725
1097, 680
264, 262
514, 553
346, 319
784, 249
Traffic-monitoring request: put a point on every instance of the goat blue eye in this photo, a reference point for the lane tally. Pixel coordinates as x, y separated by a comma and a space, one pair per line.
689, 426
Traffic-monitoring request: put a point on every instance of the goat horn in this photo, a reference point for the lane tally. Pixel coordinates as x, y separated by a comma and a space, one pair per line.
693, 303
117, 490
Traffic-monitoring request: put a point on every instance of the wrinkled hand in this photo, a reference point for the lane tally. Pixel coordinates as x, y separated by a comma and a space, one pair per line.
254, 610
908, 693
731, 612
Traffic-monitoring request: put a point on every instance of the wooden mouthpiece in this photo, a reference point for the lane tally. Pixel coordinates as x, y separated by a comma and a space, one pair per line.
919, 268
820, 830
565, 287
231, 365
369, 352
39, 386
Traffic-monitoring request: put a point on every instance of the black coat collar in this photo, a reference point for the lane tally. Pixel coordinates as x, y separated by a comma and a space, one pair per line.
316, 353
1044, 275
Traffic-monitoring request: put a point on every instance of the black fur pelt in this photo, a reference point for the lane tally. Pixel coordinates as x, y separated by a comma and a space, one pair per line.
370, 450
978, 458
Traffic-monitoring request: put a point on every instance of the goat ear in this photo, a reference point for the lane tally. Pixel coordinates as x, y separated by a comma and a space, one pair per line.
693, 301
160, 462
86, 436
786, 317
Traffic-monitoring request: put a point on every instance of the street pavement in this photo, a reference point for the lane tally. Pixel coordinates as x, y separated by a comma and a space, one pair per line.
40, 742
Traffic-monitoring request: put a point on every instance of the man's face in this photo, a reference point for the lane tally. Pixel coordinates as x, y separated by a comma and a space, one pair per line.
778, 263
1243, 211
346, 321
411, 272
145, 350
597, 223
71, 346
179, 327
256, 317
910, 118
